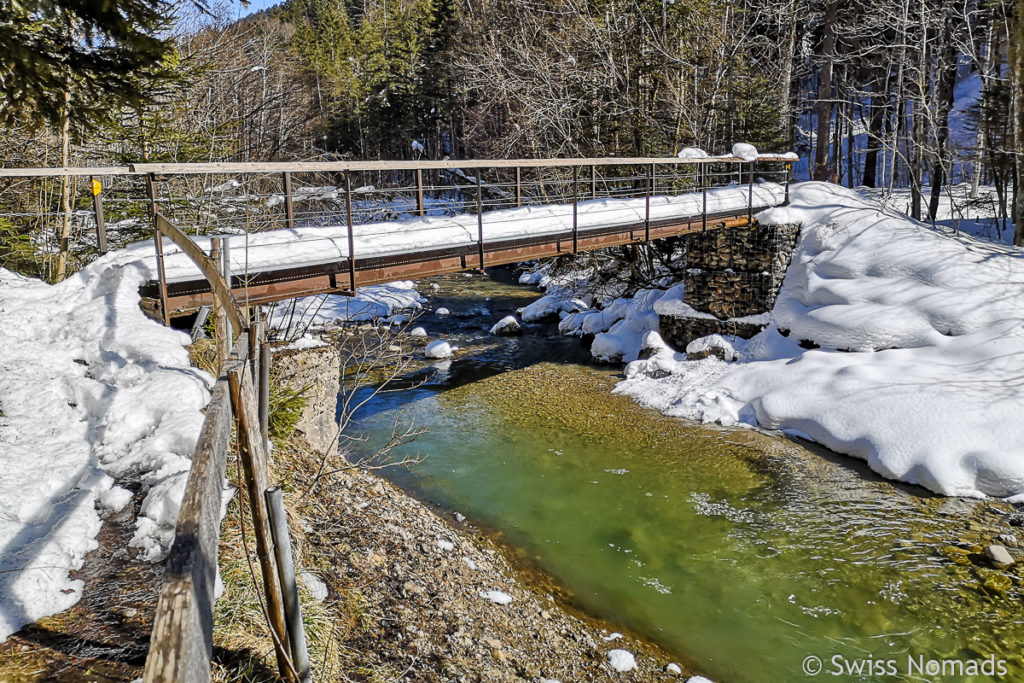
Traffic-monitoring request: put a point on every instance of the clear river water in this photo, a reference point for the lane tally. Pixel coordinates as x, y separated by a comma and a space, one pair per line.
746, 554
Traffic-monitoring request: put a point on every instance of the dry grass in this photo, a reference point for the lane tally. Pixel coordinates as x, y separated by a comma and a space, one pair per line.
241, 636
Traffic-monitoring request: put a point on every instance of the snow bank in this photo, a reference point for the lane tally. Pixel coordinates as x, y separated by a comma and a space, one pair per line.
91, 391
369, 303
922, 350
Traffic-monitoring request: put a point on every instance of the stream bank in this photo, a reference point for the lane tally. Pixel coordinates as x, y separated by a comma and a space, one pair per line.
741, 552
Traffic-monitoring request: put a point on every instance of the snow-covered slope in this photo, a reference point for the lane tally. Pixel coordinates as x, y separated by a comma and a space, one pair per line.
921, 365
90, 391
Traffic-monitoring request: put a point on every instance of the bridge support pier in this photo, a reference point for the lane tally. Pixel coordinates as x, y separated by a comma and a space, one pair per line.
734, 276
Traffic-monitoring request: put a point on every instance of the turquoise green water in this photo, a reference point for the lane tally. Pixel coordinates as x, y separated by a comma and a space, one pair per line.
743, 554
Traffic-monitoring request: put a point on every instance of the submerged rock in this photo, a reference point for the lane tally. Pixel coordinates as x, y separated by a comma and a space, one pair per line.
999, 556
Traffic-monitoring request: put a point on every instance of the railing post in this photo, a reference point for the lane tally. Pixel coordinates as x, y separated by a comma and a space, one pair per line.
158, 240
419, 191
351, 233
789, 168
286, 574
519, 189
289, 211
264, 397
647, 204
225, 271
221, 326
480, 217
254, 464
97, 205
575, 208
593, 181
704, 197
750, 198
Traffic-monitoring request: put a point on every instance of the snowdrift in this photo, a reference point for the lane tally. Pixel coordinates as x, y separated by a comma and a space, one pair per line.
920, 369
91, 391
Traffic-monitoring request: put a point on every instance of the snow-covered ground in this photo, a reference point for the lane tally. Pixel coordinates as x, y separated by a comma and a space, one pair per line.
921, 365
93, 394
375, 302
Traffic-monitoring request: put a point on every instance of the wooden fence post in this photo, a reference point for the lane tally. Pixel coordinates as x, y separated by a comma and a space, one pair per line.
254, 462
154, 209
264, 397
97, 207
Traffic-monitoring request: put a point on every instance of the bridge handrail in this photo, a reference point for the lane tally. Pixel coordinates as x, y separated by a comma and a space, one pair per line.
143, 169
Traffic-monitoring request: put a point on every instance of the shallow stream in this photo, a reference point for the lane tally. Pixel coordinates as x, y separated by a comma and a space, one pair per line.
746, 554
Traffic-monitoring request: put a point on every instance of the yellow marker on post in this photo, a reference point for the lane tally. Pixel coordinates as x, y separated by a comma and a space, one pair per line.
96, 187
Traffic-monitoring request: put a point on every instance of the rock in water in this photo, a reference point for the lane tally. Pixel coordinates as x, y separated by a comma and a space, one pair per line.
507, 327
438, 348
999, 555
622, 660
418, 332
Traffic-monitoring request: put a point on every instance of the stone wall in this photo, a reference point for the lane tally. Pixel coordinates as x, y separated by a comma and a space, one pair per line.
318, 370
732, 274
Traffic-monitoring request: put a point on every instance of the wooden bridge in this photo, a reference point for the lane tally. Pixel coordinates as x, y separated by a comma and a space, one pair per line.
379, 221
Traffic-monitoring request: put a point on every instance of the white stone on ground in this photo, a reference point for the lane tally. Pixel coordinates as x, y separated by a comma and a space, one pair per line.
674, 668
445, 545
621, 660
497, 597
469, 563
315, 585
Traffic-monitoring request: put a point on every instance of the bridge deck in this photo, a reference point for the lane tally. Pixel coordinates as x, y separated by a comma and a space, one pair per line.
284, 264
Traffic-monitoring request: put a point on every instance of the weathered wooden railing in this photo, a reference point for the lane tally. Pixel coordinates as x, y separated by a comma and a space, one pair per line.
182, 637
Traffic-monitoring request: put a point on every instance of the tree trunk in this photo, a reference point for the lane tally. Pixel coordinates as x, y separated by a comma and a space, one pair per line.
65, 189
874, 141
1016, 72
828, 50
947, 81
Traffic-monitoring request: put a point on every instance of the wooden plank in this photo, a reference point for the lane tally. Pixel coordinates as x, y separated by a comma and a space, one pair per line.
74, 171
254, 462
207, 265
181, 643
400, 164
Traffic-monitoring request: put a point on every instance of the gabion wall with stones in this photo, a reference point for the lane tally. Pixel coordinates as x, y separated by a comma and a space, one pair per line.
731, 274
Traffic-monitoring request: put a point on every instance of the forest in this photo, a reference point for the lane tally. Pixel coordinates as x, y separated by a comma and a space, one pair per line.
888, 93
